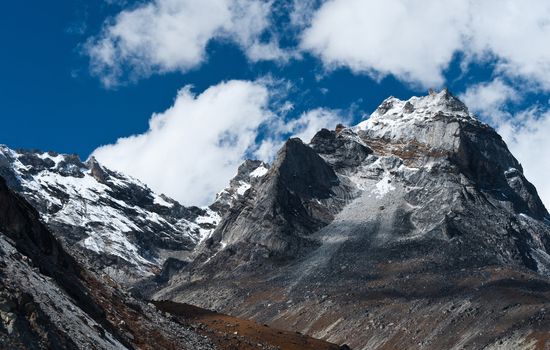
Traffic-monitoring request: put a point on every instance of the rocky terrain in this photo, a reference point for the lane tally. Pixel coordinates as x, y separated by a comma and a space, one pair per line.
229, 332
248, 174
48, 301
113, 223
413, 229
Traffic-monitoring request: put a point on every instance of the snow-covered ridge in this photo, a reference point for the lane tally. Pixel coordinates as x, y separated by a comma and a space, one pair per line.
416, 108
398, 119
114, 221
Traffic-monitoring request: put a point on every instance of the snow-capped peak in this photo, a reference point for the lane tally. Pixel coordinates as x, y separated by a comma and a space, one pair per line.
432, 120
416, 109
112, 220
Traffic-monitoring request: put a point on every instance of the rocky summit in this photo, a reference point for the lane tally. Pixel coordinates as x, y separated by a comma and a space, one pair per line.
415, 229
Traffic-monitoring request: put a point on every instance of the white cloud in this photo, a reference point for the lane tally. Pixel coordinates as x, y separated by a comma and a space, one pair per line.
312, 121
416, 42
490, 99
171, 35
515, 32
192, 149
301, 12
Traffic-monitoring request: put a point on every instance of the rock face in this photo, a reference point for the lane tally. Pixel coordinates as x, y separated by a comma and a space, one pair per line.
47, 301
414, 229
248, 174
112, 223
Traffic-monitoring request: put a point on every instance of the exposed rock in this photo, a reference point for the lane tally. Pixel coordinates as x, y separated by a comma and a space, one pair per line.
340, 149
48, 302
249, 173
414, 229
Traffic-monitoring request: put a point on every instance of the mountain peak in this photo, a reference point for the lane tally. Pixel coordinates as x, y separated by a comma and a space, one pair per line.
438, 128
436, 121
394, 111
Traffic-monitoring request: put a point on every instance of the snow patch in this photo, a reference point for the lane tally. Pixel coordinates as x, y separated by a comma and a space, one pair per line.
56, 159
243, 187
160, 201
259, 171
383, 186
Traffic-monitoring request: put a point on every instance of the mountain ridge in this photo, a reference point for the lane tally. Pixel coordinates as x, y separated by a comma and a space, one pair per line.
113, 222
49, 301
395, 233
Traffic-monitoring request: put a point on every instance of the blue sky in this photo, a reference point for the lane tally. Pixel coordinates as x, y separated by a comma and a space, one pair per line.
68, 110
77, 75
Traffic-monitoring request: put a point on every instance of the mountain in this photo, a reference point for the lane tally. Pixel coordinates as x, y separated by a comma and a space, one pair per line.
248, 174
112, 223
414, 229
48, 301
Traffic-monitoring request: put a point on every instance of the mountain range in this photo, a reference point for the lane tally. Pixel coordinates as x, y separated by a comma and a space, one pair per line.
415, 229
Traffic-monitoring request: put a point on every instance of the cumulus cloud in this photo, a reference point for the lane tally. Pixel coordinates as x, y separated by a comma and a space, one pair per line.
525, 132
490, 99
416, 43
192, 149
171, 35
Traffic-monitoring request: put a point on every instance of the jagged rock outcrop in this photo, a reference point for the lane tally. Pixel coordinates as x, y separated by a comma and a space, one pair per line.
297, 196
397, 233
248, 174
110, 222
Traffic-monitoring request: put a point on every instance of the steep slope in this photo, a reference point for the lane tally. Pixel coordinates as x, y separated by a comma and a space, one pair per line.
112, 223
248, 174
414, 229
48, 302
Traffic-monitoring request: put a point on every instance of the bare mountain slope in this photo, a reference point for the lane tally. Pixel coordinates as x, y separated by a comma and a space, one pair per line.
47, 301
